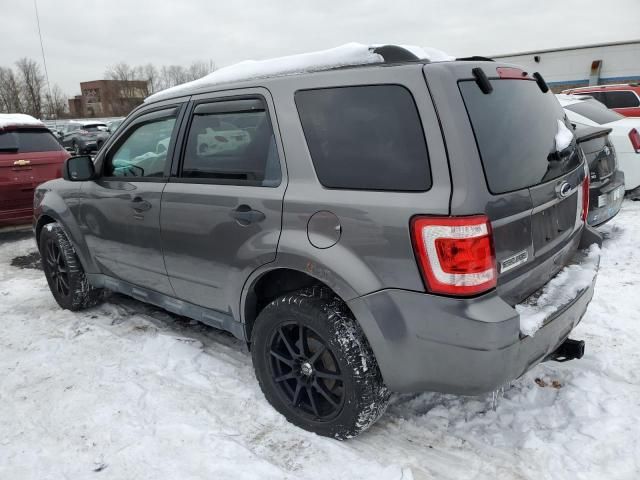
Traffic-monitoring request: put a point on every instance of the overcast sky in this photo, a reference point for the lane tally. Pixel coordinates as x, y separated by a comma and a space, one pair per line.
82, 37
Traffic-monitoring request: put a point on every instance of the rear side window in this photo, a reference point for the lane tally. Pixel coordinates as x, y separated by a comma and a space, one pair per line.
27, 141
621, 99
234, 148
594, 111
515, 128
365, 138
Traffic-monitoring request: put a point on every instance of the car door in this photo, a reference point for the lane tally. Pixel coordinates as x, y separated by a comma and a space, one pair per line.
120, 211
221, 211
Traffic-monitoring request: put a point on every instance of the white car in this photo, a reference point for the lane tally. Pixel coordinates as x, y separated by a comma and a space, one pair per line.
625, 132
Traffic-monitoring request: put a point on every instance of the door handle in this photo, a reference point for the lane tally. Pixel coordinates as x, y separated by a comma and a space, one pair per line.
140, 205
245, 215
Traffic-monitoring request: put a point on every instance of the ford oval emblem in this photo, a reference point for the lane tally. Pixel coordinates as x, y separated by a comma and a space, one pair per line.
564, 189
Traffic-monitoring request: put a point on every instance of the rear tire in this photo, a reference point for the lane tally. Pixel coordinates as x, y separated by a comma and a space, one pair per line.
315, 366
65, 275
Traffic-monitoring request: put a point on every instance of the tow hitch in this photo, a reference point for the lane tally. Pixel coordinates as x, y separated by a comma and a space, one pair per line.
569, 350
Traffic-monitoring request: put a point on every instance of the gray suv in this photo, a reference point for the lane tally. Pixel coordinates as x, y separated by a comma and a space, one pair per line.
365, 229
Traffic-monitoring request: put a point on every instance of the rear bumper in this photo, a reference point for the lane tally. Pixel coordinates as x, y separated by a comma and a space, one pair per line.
465, 346
605, 201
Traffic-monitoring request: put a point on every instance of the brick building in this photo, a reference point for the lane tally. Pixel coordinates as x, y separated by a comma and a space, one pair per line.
107, 98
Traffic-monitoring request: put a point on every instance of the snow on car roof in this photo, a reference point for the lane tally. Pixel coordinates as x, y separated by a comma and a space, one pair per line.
18, 120
345, 55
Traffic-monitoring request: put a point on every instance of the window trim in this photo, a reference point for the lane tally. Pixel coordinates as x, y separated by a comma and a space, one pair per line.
143, 118
176, 169
422, 130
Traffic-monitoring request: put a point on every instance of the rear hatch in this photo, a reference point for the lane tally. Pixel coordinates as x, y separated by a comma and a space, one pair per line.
534, 175
599, 152
28, 157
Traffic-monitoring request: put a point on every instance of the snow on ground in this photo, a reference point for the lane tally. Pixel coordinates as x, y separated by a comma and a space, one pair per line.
127, 391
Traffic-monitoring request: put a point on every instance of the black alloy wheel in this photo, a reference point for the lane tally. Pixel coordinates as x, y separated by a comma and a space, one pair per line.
57, 267
306, 371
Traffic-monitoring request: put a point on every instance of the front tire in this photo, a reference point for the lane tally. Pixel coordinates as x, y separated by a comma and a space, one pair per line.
65, 275
315, 366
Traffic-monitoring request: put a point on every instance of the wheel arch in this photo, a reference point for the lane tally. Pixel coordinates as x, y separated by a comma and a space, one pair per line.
272, 281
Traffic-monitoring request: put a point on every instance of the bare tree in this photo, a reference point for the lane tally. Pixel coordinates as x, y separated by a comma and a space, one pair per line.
151, 75
199, 69
56, 103
31, 85
10, 97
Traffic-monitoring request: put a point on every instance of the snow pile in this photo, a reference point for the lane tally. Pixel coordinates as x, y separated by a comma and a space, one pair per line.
344, 55
564, 137
14, 119
561, 290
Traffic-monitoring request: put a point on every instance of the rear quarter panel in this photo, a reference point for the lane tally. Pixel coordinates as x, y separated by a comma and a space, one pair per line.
374, 250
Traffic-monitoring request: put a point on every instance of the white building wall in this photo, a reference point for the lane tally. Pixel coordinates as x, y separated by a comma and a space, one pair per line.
572, 66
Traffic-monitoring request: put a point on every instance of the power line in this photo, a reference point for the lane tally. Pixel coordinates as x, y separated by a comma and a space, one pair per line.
44, 61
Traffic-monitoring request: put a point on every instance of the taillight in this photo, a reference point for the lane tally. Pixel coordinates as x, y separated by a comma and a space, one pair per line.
585, 196
634, 136
455, 254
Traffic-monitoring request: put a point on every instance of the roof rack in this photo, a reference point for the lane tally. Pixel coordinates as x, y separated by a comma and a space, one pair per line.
395, 54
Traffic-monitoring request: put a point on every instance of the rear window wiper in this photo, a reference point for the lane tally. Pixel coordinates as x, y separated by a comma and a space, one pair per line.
8, 149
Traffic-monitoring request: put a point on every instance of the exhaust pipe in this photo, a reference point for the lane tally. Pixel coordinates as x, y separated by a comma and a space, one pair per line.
568, 350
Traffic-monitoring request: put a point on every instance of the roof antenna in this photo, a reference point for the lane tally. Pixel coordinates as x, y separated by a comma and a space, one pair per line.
44, 61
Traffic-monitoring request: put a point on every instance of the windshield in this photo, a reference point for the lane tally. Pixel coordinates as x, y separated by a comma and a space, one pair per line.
594, 111
26, 141
522, 134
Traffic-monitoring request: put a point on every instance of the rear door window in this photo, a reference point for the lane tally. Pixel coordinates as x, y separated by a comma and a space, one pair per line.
365, 138
28, 141
232, 142
621, 99
516, 128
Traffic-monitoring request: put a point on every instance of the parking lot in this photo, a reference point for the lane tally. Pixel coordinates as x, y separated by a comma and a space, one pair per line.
125, 391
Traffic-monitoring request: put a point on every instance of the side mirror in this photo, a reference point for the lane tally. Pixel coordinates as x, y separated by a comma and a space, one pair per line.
79, 169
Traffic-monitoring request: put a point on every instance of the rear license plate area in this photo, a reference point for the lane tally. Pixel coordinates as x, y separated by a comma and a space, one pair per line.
554, 221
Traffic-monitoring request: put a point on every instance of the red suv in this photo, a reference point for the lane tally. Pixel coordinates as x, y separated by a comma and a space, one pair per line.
29, 156
623, 98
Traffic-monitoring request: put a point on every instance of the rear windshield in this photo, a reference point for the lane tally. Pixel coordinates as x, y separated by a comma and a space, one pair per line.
517, 130
94, 128
26, 141
594, 111
365, 138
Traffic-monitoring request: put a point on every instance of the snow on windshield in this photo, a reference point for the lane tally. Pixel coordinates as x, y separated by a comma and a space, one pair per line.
558, 292
344, 55
11, 119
